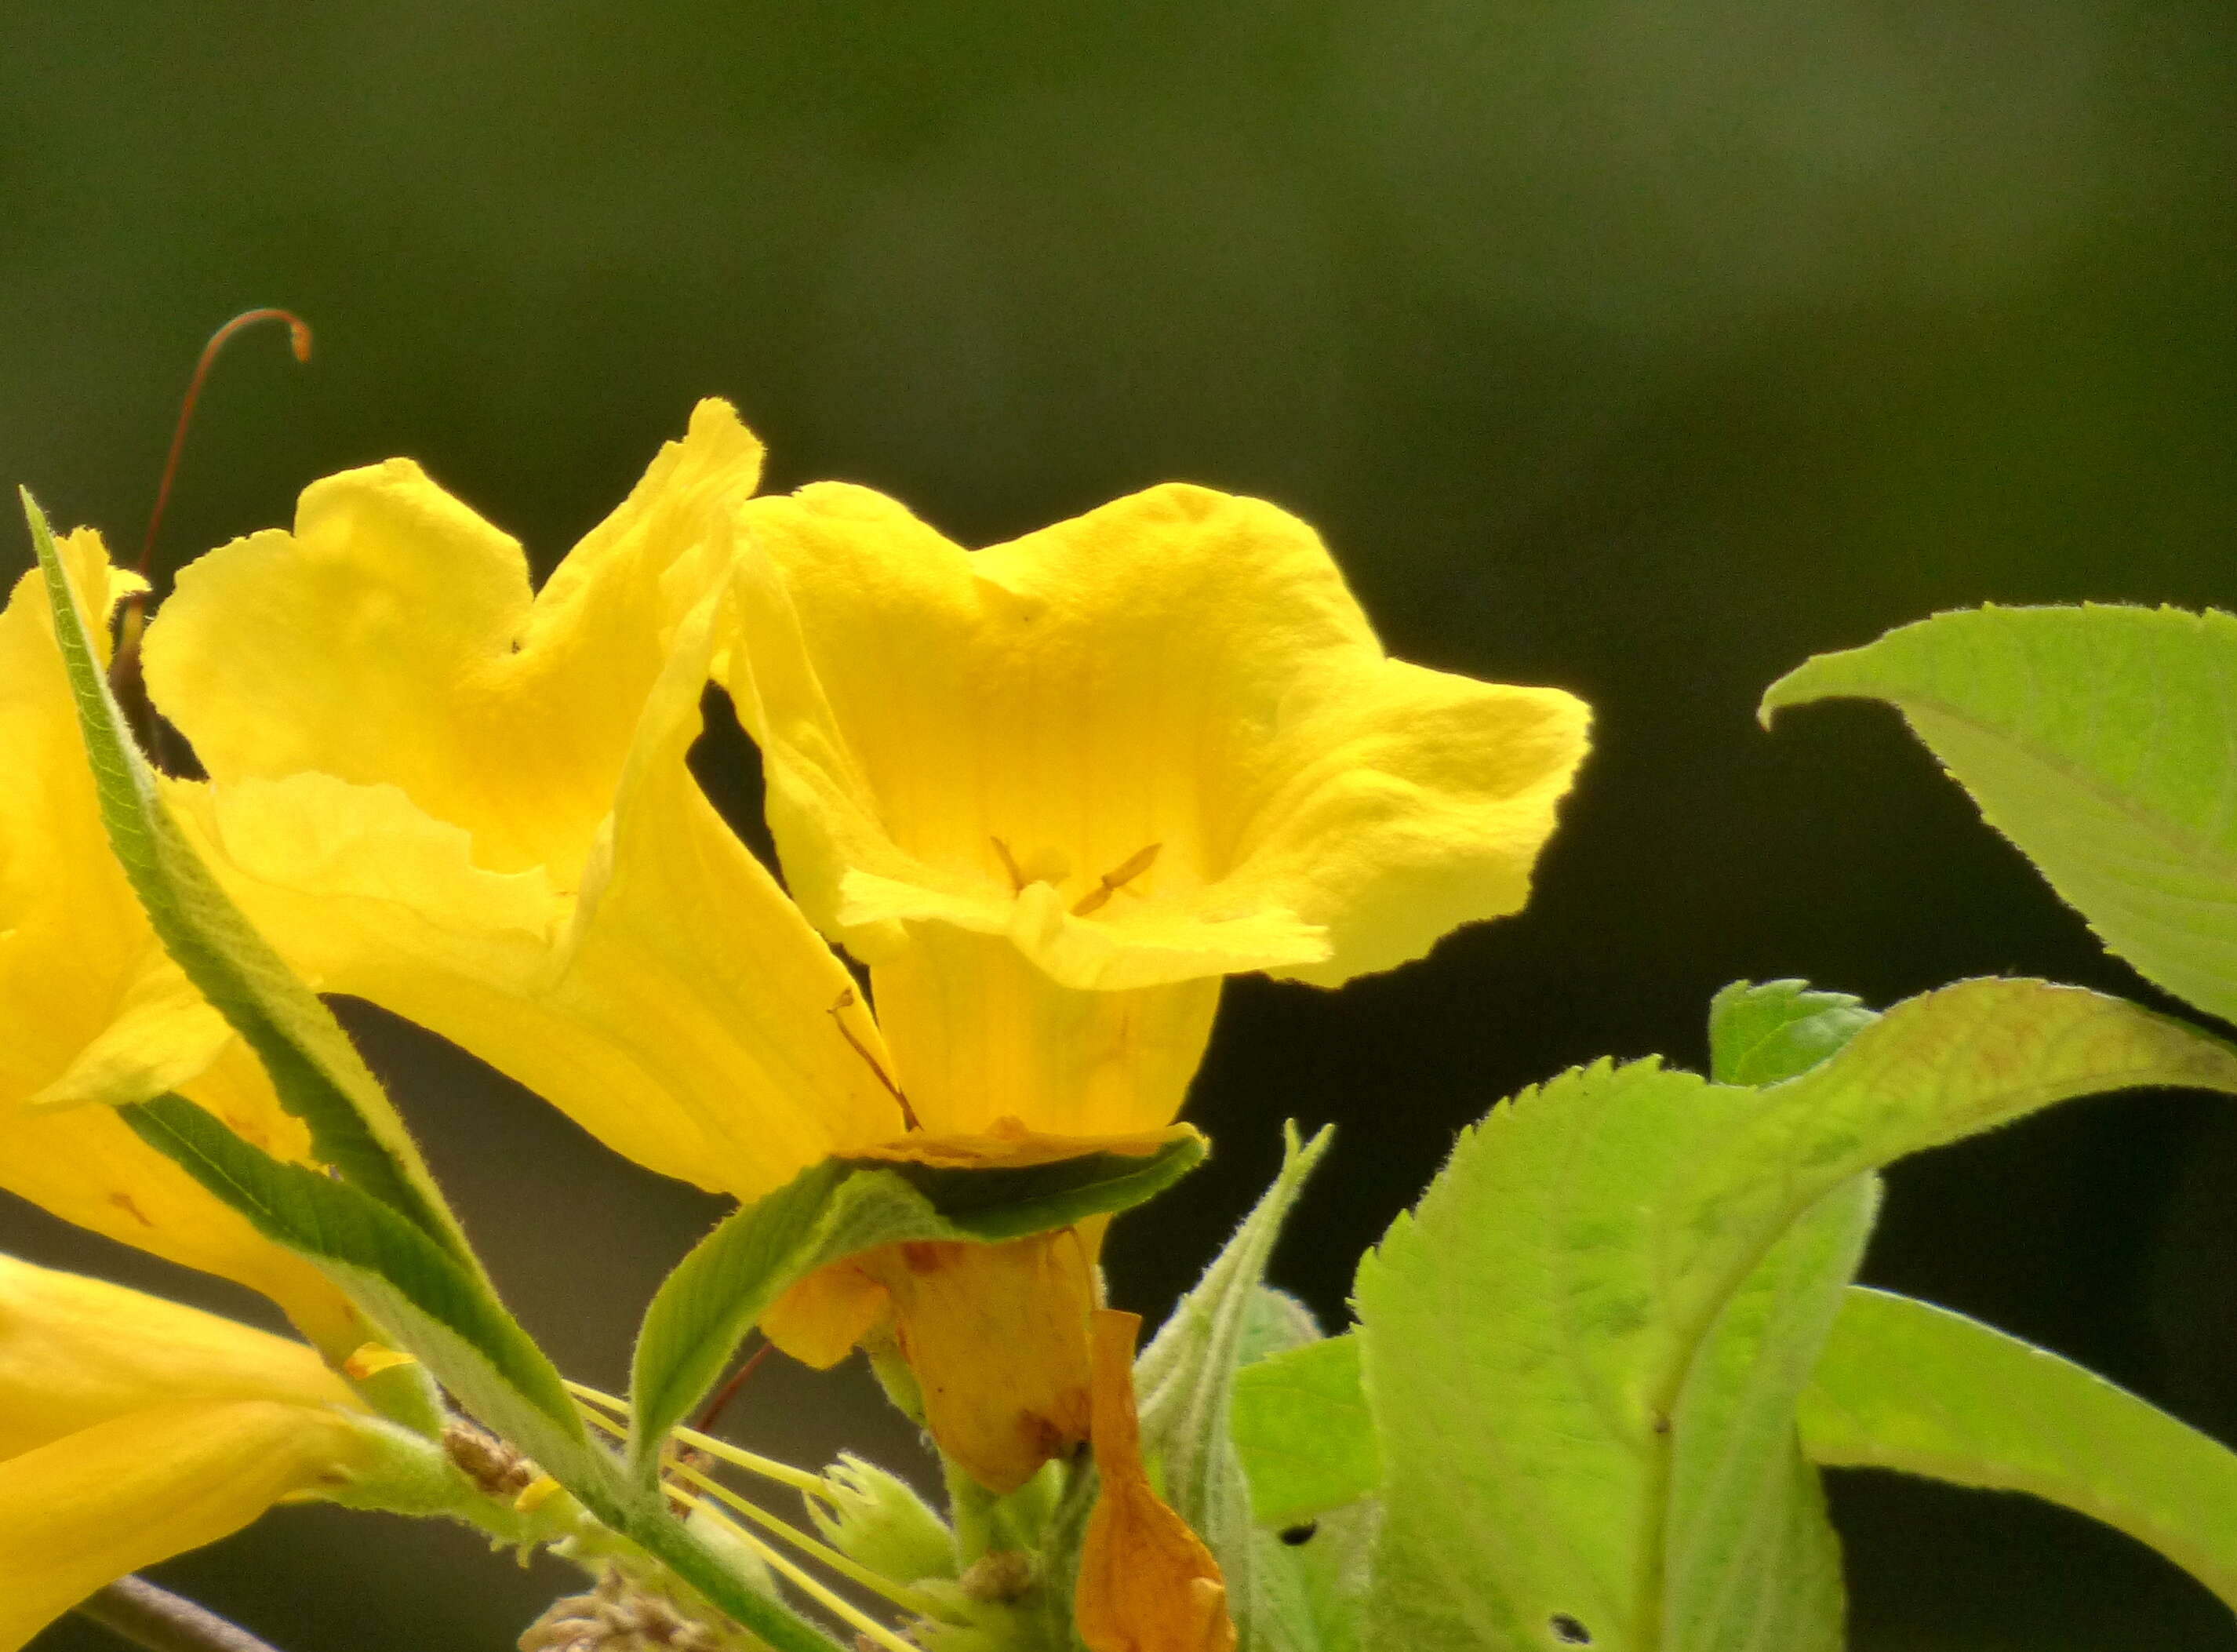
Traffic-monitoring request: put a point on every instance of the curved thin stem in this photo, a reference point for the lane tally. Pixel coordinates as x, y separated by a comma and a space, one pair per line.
155, 1618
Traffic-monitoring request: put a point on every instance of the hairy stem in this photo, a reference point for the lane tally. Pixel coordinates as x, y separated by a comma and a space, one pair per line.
162, 1621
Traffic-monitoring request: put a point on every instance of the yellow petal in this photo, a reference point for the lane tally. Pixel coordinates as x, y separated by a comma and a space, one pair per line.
1146, 1583
86, 1510
391, 638
1154, 743
997, 1336
978, 1032
1400, 803
658, 987
87, 1166
91, 1010
164, 1035
819, 1318
76, 1352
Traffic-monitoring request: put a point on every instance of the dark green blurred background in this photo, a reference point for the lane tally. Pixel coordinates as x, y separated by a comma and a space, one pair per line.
1638, 350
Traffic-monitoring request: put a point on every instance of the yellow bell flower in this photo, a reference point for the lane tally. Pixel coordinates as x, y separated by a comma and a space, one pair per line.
1122, 756
92, 1012
133, 1429
1053, 791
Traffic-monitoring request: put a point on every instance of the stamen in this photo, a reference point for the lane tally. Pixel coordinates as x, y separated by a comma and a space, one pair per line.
124, 666
845, 1610
298, 340
847, 1001
1116, 879
768, 1468
1009, 865
852, 1570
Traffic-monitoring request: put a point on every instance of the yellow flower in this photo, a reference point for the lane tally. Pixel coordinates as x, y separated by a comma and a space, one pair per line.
1125, 755
1051, 792
472, 806
93, 1012
133, 1429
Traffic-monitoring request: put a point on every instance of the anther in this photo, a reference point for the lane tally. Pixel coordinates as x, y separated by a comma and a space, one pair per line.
298, 340
847, 1001
1009, 865
1116, 879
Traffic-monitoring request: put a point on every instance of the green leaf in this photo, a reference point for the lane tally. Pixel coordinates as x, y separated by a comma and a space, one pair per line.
1185, 1380
1752, 1556
440, 1309
1302, 1431
317, 1071
1906, 1385
1778, 1030
1527, 1333
833, 1210
2100, 740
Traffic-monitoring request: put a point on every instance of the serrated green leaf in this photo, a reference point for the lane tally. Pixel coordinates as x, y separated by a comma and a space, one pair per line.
1302, 1427
1185, 1381
833, 1210
1904, 1384
1526, 1333
1753, 1559
319, 1077
2100, 740
1770, 1032
394, 1271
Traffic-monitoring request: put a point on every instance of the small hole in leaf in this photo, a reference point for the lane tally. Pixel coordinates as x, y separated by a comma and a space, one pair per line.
1299, 1535
1568, 1631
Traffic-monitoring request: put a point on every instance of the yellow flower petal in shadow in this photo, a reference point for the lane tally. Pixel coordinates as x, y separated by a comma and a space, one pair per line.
1146, 1583
996, 1335
133, 1429
92, 1012
1152, 745
87, 1508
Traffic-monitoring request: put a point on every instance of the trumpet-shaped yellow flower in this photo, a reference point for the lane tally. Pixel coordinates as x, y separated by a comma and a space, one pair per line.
1051, 792
93, 1012
133, 1429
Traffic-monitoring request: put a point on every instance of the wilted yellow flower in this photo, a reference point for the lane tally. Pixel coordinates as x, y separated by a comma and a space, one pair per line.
133, 1429
1051, 792
1146, 1583
92, 1012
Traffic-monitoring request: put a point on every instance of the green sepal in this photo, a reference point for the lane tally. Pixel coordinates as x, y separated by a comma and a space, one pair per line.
2103, 741
1527, 1333
396, 1273
316, 1070
1185, 1382
835, 1209
1903, 1385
